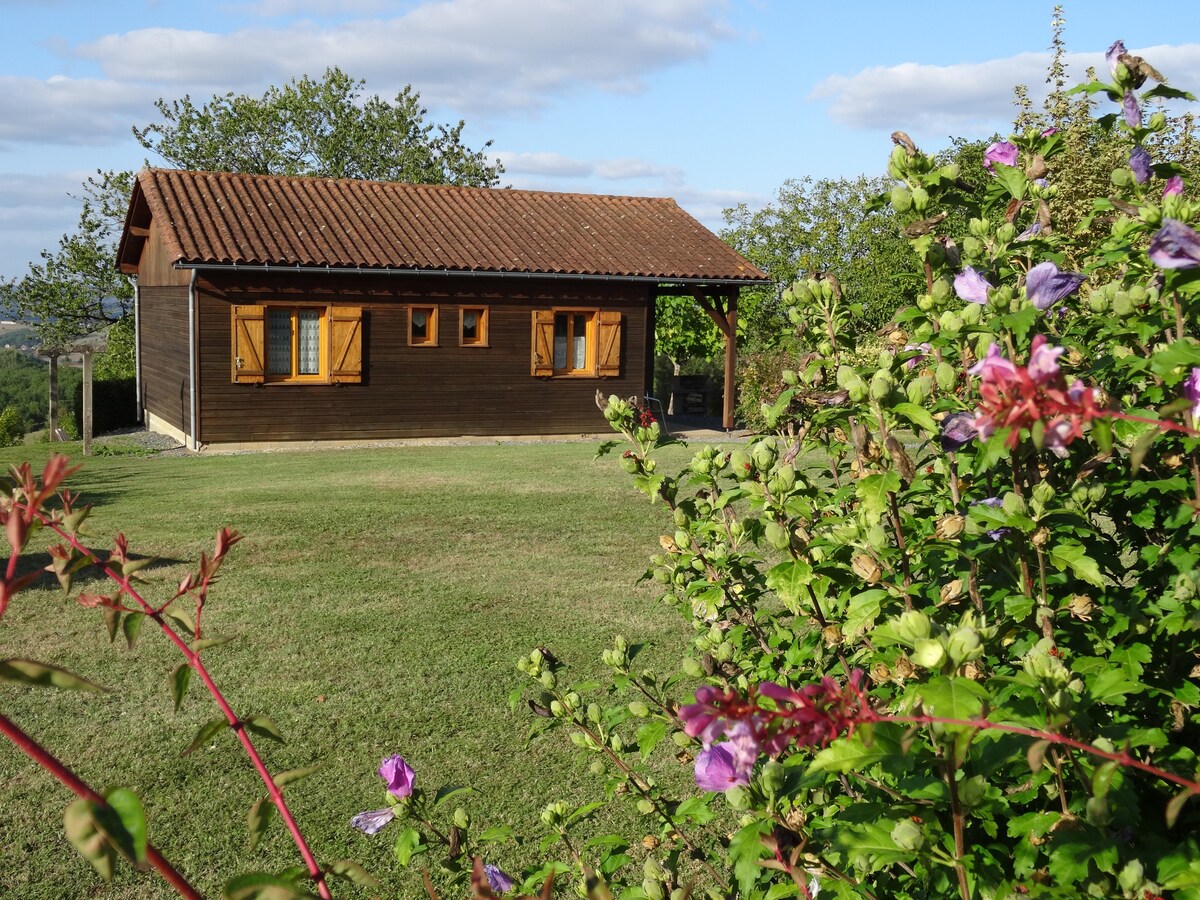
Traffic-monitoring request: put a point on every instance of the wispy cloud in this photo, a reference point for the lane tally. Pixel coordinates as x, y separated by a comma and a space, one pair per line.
475, 56
68, 110
968, 98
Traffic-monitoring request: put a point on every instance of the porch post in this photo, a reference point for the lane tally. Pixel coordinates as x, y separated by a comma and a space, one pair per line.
730, 361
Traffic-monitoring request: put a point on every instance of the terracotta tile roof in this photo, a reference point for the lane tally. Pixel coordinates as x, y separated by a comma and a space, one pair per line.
220, 218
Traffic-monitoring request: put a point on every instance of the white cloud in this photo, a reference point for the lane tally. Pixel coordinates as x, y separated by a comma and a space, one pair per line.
969, 98
68, 110
476, 56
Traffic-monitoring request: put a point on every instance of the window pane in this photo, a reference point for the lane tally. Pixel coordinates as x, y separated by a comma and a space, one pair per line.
560, 341
279, 343
309, 353
420, 324
579, 342
470, 325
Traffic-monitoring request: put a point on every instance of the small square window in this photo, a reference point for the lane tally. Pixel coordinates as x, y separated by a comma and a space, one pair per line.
473, 326
423, 326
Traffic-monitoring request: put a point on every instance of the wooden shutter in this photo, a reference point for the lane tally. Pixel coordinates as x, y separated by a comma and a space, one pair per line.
543, 342
248, 345
345, 344
608, 362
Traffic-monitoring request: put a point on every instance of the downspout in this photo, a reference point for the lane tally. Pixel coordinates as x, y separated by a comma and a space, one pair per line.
139, 408
192, 360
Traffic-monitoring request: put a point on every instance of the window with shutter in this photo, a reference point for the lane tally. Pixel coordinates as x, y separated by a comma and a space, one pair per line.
576, 342
280, 344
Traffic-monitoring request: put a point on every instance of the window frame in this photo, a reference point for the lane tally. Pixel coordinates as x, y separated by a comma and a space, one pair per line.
481, 326
323, 352
431, 330
591, 342
603, 346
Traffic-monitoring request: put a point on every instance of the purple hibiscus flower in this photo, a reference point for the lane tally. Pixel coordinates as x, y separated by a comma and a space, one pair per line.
921, 348
371, 821
1113, 55
1002, 152
399, 776
498, 880
716, 771
1139, 161
1045, 284
958, 430
1175, 246
1132, 110
971, 286
1191, 390
1174, 186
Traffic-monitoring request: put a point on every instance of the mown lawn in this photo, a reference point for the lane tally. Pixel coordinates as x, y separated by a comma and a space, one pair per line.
379, 599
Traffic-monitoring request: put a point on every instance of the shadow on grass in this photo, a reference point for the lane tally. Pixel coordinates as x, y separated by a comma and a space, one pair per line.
89, 575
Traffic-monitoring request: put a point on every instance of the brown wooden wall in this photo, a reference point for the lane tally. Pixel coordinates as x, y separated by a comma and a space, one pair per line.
162, 322
416, 391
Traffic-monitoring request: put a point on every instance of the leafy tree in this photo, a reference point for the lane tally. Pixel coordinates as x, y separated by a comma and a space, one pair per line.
824, 226
324, 128
77, 289
25, 384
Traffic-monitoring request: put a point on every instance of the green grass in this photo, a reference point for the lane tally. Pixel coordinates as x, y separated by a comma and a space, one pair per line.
379, 599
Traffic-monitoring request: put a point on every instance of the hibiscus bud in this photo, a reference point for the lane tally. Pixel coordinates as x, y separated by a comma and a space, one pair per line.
777, 536
880, 673
882, 384
950, 322
903, 669
738, 797
908, 835
1014, 504
902, 199
639, 709
946, 376
724, 651
925, 302
952, 591
964, 645
949, 527
461, 818
549, 682
913, 626
918, 390
682, 539
631, 464
832, 635
739, 462
866, 568
886, 358
971, 314
680, 739
557, 708
857, 389
594, 713
598, 767
1040, 537
763, 453
1006, 233
929, 653
691, 666
773, 776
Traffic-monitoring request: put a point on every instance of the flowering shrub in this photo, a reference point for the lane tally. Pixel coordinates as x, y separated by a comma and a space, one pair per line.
946, 611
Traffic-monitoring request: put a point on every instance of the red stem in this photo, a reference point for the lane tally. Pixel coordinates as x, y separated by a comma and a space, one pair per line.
1122, 758
81, 788
193, 659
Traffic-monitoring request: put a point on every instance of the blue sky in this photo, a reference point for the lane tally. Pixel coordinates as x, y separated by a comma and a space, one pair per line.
712, 102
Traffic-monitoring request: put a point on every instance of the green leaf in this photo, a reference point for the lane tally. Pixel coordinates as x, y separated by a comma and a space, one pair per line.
131, 626
495, 834
80, 829
952, 697
1176, 804
206, 733
862, 611
262, 726
745, 850
696, 809
179, 683
1012, 178
180, 618
874, 489
28, 671
263, 886
408, 845
918, 415
259, 818
1068, 554
354, 873
112, 621
291, 775
130, 837
870, 847
584, 811
447, 791
1110, 687
788, 580
205, 643
649, 736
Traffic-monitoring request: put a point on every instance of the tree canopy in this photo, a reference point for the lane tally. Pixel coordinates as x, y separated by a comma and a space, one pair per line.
324, 128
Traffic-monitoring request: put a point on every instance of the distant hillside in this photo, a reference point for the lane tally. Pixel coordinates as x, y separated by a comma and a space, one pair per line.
17, 334
25, 384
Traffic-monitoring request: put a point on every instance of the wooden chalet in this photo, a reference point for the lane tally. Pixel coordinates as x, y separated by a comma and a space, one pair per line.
277, 309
